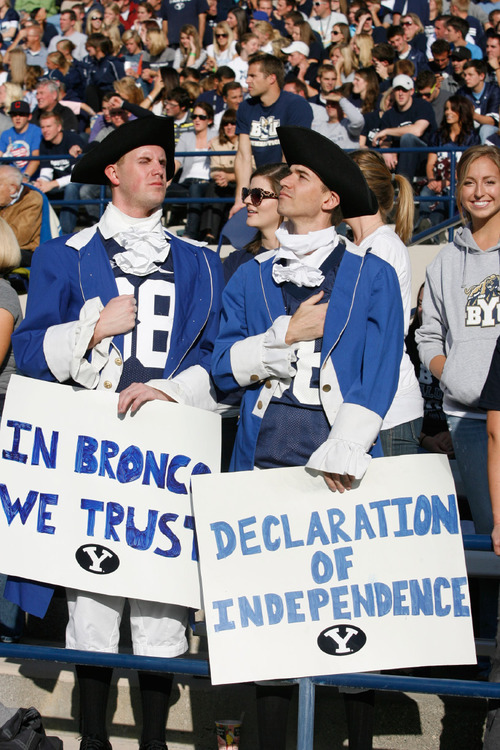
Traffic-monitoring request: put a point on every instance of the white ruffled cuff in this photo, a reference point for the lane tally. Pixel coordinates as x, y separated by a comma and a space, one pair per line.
353, 433
340, 457
65, 346
266, 355
193, 387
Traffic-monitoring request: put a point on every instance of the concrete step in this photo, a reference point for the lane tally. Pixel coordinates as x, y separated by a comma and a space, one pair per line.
402, 721
412, 722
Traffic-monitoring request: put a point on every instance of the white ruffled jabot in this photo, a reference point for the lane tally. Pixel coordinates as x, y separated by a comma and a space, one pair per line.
144, 242
303, 254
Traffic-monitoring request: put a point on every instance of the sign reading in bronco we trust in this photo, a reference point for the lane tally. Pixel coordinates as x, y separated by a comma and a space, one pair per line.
300, 581
98, 502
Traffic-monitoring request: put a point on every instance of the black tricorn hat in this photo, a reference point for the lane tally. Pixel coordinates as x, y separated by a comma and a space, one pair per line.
333, 166
145, 131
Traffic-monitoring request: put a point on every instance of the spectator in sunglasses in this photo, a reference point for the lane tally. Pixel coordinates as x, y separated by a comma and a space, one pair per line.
261, 201
323, 20
414, 32
223, 48
195, 169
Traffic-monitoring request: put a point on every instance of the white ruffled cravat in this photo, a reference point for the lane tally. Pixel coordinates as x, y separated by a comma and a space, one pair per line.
143, 241
303, 254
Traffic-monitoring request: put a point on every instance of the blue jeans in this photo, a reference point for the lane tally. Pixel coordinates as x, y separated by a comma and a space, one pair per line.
439, 210
470, 442
194, 188
402, 440
409, 163
11, 616
69, 214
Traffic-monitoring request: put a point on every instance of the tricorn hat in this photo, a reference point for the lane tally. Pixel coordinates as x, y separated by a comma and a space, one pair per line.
333, 166
145, 131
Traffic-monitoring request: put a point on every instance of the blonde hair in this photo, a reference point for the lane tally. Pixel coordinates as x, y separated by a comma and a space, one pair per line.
13, 93
113, 34
263, 27
59, 60
365, 45
277, 45
18, 67
131, 34
380, 182
468, 158
127, 88
10, 254
416, 20
193, 89
225, 27
89, 29
115, 8
157, 41
66, 45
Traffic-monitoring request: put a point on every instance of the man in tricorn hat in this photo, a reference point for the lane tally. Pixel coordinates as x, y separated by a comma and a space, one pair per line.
86, 293
313, 333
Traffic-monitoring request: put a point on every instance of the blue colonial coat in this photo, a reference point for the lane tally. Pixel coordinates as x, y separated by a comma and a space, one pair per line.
360, 357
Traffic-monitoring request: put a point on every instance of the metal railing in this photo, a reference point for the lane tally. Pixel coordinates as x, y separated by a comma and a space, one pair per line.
199, 666
448, 225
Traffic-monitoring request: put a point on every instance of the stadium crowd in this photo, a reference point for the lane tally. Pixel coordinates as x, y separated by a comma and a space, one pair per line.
420, 73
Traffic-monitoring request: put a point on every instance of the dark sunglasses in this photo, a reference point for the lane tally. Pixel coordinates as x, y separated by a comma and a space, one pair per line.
224, 36
95, 18
256, 195
407, 23
200, 117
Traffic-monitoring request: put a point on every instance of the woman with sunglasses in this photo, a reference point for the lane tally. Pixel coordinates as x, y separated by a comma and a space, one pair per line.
414, 32
261, 201
195, 169
223, 48
341, 34
222, 177
94, 22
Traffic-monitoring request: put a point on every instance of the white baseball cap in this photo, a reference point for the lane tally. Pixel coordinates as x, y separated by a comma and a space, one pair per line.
296, 47
403, 82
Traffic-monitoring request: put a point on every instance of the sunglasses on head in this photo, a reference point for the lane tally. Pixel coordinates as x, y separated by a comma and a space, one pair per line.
200, 117
256, 195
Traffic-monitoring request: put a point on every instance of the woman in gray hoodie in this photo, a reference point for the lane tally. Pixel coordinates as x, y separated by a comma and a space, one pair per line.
461, 320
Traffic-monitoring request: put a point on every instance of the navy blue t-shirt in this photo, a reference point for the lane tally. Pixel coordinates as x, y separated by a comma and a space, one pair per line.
419, 110
261, 123
177, 13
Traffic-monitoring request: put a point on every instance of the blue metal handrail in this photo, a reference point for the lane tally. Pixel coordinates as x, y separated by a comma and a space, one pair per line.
200, 667
102, 200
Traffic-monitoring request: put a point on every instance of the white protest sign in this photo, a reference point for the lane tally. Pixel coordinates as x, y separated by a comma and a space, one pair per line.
97, 502
300, 581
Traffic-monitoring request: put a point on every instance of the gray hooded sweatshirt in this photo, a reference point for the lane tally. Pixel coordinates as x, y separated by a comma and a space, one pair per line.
461, 319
